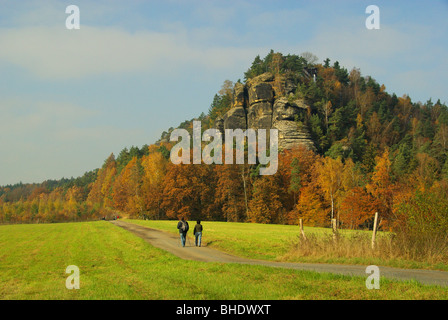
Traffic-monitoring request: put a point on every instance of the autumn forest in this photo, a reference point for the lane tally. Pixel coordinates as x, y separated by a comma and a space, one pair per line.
374, 152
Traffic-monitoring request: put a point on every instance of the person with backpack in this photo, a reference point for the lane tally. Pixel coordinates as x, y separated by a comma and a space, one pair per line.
197, 233
183, 229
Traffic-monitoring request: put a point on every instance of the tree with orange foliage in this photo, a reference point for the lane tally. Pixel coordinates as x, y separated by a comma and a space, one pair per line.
382, 187
229, 193
295, 171
331, 85
73, 198
357, 207
356, 204
310, 207
265, 205
188, 191
103, 181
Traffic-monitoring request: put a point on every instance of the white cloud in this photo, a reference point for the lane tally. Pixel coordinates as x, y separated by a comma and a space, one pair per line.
397, 56
282, 19
50, 139
25, 115
58, 53
205, 11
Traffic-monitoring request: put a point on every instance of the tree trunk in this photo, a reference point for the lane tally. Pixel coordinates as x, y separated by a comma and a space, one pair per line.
245, 191
332, 207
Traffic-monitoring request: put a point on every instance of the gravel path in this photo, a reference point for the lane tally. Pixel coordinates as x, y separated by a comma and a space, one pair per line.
171, 243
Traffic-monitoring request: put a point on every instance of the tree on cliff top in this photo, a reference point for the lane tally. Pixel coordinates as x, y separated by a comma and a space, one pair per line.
277, 63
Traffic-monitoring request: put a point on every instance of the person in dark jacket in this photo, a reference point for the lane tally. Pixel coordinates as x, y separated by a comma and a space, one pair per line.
198, 233
183, 227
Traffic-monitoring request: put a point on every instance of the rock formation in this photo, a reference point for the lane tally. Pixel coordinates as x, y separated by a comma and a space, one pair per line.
266, 102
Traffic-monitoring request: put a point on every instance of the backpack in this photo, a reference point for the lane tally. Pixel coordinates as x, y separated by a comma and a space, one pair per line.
184, 226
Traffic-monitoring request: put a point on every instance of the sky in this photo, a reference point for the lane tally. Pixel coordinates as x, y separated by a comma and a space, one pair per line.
69, 98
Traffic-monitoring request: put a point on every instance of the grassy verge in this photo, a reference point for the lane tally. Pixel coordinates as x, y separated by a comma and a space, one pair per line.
282, 243
115, 264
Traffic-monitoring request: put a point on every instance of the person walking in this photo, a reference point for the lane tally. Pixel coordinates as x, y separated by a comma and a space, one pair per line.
183, 227
198, 233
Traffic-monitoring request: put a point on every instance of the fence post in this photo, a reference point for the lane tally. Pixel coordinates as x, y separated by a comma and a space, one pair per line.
301, 229
375, 225
335, 229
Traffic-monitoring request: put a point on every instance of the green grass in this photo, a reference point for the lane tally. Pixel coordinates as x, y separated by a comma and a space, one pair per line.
280, 243
115, 264
251, 240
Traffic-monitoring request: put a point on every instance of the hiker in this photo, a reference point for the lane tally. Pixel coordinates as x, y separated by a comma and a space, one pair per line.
183, 229
197, 233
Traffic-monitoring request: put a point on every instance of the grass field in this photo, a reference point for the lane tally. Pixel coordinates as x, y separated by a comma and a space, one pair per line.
280, 243
251, 240
114, 264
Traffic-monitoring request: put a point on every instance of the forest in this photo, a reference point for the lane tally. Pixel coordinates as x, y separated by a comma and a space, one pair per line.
375, 152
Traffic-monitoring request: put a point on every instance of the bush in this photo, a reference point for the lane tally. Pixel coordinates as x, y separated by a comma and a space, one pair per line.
425, 227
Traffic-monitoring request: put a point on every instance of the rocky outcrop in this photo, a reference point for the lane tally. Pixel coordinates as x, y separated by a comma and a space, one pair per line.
291, 133
239, 95
235, 118
266, 102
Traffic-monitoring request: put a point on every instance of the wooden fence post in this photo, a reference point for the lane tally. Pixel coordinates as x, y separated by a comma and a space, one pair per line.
375, 226
301, 229
335, 229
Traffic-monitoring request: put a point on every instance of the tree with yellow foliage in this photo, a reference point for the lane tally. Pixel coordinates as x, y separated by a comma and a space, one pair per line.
154, 170
329, 179
126, 190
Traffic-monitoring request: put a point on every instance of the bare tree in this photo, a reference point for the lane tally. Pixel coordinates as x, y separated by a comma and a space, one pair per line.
226, 88
309, 57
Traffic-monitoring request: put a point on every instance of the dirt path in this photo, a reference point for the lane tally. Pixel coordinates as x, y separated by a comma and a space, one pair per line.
171, 243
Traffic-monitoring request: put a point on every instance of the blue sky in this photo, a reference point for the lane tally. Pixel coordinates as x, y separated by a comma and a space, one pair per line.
68, 98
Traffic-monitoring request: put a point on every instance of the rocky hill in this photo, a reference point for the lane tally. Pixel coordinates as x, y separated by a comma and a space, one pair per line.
267, 102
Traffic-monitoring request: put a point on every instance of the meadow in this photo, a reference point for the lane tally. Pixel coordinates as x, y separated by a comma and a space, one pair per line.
283, 243
115, 264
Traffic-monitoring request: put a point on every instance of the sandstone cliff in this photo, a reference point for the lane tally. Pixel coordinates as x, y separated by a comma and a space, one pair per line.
266, 102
